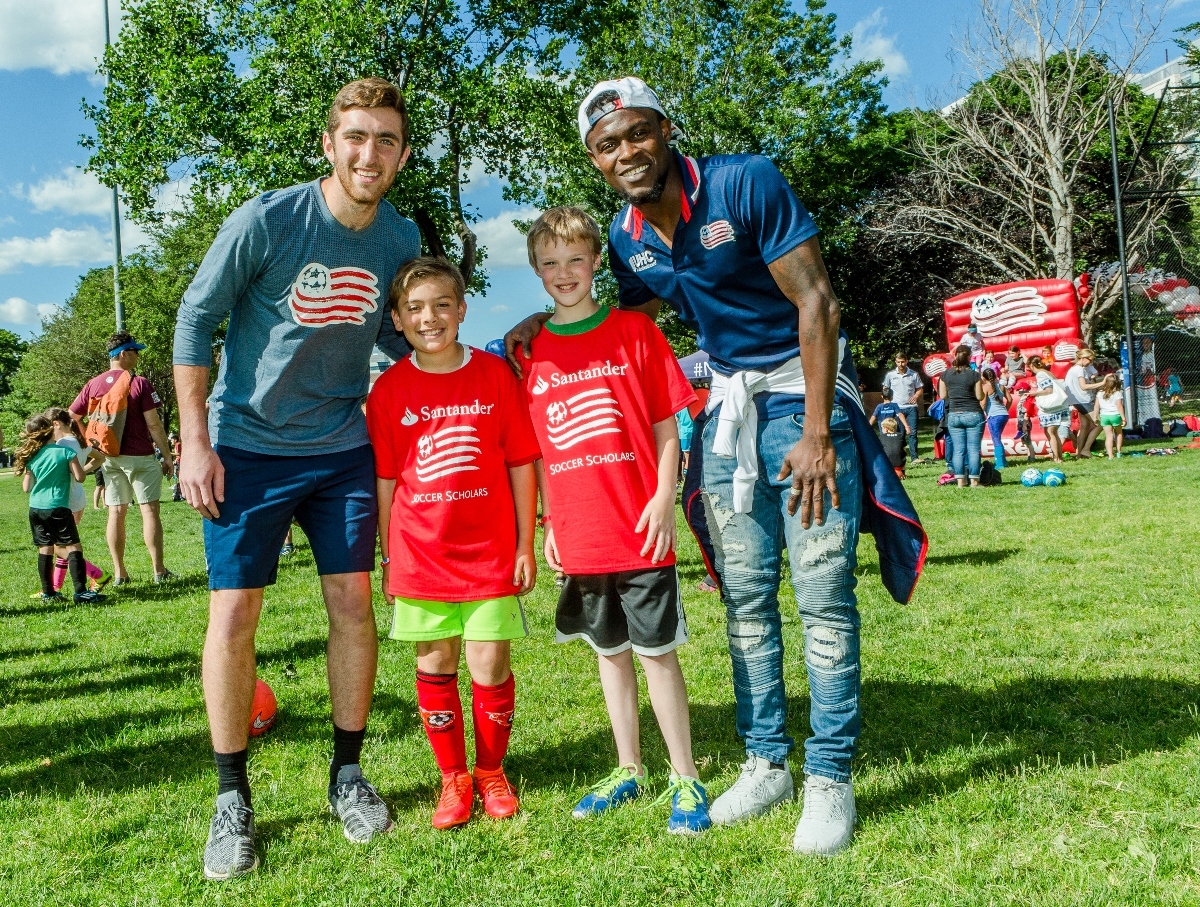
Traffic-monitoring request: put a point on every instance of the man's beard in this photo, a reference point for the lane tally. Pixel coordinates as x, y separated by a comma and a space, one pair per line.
648, 196
360, 194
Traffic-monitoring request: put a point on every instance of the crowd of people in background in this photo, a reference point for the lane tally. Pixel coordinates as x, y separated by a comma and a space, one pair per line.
126, 448
981, 391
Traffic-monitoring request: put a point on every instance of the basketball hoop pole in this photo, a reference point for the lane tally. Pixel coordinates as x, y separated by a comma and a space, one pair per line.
1112, 135
116, 206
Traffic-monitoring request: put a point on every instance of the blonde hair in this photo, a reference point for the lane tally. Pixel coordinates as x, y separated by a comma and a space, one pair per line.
1111, 385
37, 433
890, 425
368, 94
565, 224
420, 270
1084, 353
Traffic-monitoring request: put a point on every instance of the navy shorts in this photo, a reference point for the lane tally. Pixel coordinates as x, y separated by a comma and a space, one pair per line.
331, 496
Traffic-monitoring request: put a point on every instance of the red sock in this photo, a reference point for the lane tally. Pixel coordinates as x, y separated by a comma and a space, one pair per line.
441, 712
492, 708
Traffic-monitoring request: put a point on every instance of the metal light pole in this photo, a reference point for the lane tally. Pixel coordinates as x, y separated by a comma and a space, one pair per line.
1112, 132
116, 206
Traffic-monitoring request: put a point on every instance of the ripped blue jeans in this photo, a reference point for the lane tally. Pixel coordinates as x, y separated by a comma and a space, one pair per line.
749, 550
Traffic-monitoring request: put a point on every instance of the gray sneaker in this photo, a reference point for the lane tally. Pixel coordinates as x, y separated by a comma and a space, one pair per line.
758, 789
165, 577
358, 805
230, 848
827, 823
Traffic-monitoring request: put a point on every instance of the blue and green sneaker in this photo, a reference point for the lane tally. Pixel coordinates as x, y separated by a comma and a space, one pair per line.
619, 788
689, 806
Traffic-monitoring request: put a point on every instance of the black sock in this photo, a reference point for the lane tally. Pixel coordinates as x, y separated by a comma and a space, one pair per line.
231, 773
347, 750
78, 571
46, 573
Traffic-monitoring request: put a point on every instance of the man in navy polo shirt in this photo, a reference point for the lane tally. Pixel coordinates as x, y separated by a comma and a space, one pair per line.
725, 241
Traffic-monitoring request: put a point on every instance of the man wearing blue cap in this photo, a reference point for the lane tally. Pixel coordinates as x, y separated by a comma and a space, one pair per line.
136, 474
725, 242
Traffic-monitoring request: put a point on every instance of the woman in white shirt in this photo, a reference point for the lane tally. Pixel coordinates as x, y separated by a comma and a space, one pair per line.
1080, 386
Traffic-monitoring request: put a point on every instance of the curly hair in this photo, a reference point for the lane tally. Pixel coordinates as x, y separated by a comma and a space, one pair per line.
38, 432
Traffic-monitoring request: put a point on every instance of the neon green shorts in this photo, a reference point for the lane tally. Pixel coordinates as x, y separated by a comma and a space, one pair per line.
490, 620
1113, 421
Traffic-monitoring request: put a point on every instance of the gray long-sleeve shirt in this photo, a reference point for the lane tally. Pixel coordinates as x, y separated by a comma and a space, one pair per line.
307, 301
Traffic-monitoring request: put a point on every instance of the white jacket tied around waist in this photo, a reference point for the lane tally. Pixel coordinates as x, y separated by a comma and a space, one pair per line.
737, 425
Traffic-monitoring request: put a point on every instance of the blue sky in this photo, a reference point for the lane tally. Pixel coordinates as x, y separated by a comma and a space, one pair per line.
54, 220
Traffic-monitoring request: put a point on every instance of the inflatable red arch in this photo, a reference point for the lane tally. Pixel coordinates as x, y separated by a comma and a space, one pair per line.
1029, 314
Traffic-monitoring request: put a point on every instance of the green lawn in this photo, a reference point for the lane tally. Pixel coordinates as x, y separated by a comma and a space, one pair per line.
1030, 733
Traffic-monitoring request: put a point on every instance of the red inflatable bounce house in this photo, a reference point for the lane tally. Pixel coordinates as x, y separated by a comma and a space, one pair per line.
1029, 315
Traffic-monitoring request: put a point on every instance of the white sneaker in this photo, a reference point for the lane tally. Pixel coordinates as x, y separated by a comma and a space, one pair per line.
827, 823
758, 789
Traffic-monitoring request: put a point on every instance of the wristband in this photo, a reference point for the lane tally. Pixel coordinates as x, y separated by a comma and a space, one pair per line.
544, 520
385, 562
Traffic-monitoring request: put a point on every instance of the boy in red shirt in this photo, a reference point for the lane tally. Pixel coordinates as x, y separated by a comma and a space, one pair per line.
603, 389
454, 455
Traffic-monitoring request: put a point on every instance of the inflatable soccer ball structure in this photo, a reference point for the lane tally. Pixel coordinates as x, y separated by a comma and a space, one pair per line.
1030, 314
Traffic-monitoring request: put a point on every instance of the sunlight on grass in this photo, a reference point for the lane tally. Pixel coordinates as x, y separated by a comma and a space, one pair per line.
1030, 732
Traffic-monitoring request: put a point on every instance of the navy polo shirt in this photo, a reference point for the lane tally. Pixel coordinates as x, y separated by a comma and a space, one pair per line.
739, 215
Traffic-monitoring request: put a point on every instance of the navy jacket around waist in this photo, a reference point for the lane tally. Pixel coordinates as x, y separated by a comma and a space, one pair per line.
887, 512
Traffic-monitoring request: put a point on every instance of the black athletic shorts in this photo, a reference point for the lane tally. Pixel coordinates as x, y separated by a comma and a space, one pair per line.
53, 527
612, 612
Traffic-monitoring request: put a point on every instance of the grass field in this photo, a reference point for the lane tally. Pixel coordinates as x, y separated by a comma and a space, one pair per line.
1031, 731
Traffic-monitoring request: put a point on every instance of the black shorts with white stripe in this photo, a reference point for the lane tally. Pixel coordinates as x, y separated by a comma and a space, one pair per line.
611, 612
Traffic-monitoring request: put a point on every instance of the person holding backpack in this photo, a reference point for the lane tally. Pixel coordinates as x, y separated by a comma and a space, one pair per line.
123, 422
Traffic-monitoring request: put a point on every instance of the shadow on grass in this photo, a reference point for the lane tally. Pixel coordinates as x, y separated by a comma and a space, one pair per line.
37, 606
35, 651
987, 557
1027, 723
159, 671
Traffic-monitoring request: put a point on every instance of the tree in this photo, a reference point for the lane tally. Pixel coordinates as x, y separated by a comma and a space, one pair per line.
1014, 174
739, 76
12, 348
234, 93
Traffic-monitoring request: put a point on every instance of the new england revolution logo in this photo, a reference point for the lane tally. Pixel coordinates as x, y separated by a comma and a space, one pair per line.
719, 231
586, 415
446, 452
321, 296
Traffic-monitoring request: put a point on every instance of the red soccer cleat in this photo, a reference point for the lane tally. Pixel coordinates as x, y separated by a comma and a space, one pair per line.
499, 798
454, 808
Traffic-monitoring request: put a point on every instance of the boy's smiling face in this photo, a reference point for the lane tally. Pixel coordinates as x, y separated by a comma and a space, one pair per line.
566, 270
430, 315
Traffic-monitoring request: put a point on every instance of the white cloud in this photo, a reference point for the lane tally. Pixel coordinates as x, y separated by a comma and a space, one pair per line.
499, 309
16, 310
80, 192
870, 43
505, 243
76, 192
62, 36
59, 248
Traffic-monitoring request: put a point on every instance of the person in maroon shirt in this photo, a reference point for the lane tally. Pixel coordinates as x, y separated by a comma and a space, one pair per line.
136, 474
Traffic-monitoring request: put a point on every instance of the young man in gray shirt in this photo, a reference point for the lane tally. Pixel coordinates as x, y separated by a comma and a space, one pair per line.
303, 275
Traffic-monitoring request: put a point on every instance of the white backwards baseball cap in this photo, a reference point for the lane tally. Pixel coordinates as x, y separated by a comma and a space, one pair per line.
617, 94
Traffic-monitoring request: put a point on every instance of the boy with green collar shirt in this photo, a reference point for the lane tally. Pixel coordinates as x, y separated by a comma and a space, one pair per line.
603, 389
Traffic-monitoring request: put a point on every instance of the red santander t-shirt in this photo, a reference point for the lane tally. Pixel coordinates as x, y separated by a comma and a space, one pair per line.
594, 398
448, 441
